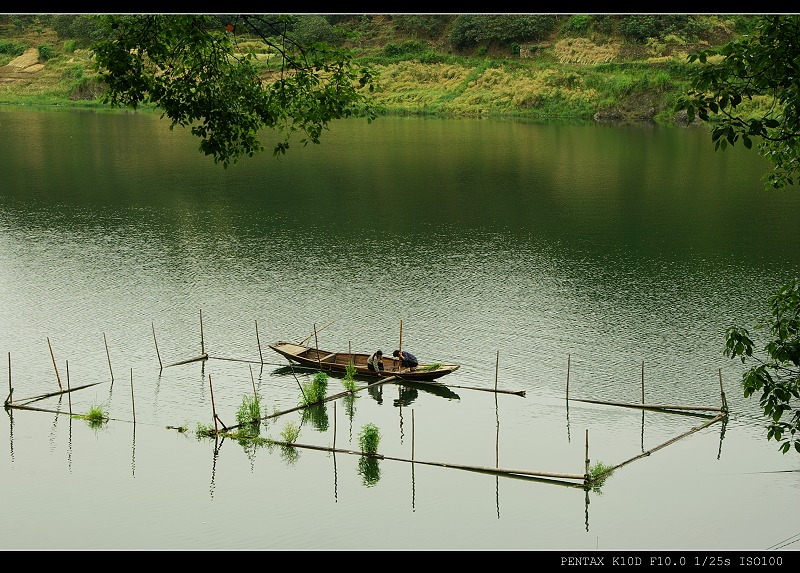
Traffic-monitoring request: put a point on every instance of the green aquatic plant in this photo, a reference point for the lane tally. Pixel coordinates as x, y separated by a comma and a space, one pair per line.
203, 431
598, 474
316, 390
249, 412
368, 438
96, 416
179, 429
433, 366
290, 432
349, 377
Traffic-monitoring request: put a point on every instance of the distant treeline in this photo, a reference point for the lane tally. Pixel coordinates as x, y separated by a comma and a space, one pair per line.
459, 32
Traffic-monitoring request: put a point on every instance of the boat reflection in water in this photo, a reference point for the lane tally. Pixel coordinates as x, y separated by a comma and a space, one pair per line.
409, 391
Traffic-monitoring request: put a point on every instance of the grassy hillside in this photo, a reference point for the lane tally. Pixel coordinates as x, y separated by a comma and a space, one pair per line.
547, 67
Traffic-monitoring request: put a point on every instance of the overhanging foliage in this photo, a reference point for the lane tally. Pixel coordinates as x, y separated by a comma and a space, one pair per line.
198, 72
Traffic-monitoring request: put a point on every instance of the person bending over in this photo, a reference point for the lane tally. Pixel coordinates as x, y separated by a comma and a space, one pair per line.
407, 360
375, 362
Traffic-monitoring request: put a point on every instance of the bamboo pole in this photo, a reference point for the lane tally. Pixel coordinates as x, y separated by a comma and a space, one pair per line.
188, 360
312, 334
259, 344
133, 405
722, 392
202, 341
316, 344
108, 356
496, 369
213, 408
54, 364
568, 359
43, 396
586, 473
10, 389
716, 418
642, 381
32, 409
156, 342
654, 406
412, 434
516, 392
327, 399
298, 383
69, 394
510, 472
401, 337
253, 380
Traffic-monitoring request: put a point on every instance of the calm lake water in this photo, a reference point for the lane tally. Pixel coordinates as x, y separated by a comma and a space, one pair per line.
535, 256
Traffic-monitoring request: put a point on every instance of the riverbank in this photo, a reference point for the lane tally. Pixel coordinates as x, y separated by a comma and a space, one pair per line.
595, 78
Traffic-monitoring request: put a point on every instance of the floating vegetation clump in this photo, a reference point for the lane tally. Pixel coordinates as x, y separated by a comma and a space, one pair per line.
368, 438
598, 474
96, 416
203, 431
248, 416
290, 432
316, 390
349, 377
180, 429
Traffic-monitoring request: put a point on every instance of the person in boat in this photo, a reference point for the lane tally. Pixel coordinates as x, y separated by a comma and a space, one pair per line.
375, 362
407, 360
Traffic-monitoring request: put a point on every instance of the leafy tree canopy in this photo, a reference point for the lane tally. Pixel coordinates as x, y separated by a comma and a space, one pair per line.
776, 375
200, 71
763, 65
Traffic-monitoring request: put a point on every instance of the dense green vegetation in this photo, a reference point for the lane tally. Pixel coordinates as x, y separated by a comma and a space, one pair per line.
572, 67
774, 373
762, 68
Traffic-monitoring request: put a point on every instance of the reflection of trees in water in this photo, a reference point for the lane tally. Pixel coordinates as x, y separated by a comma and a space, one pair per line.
369, 470
289, 454
317, 415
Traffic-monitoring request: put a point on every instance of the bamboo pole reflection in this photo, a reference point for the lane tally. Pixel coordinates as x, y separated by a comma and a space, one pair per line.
413, 485
642, 430
497, 451
722, 435
55, 419
335, 475
586, 508
133, 451
217, 446
10, 413
69, 445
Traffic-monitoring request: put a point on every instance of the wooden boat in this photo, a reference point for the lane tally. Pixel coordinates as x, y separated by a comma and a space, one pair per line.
337, 362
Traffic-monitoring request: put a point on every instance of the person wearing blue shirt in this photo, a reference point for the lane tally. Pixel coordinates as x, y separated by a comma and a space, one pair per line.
407, 360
